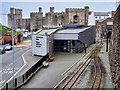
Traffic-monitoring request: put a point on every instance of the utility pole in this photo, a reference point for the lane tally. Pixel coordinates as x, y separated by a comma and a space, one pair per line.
116, 4
107, 43
13, 47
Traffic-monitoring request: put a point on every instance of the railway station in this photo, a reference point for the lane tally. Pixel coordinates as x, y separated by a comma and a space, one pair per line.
68, 39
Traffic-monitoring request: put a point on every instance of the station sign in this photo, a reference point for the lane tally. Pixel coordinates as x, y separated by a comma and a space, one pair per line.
39, 45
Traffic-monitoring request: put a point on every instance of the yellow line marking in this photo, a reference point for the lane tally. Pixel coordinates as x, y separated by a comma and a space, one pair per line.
25, 62
78, 60
2, 81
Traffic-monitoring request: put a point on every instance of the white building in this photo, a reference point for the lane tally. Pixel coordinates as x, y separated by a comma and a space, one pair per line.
102, 15
91, 20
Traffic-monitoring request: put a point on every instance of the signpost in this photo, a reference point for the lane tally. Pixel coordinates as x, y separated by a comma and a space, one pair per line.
16, 39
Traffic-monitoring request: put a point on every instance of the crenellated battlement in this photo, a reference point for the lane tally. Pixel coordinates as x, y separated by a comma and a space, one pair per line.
59, 12
52, 18
34, 12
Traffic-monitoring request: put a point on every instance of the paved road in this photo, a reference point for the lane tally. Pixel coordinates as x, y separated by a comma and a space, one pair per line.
7, 62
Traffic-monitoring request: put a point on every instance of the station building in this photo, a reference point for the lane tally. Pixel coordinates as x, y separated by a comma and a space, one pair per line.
69, 39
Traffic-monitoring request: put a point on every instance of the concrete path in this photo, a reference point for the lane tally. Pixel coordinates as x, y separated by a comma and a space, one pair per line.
106, 73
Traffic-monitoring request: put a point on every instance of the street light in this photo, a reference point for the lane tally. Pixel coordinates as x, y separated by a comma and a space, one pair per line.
13, 47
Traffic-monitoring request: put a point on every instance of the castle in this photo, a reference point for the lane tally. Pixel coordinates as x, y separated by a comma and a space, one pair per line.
37, 20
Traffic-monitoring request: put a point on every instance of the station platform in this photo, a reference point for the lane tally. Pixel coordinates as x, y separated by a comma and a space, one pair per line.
50, 76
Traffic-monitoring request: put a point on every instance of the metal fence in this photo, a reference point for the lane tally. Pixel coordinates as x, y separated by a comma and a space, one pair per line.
19, 81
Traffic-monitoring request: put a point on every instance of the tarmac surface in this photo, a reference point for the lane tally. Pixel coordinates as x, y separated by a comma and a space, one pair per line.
49, 77
6, 62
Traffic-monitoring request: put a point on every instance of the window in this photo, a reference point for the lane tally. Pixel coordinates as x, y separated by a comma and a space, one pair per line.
75, 19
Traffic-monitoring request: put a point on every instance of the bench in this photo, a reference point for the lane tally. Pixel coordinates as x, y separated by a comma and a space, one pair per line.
51, 58
45, 64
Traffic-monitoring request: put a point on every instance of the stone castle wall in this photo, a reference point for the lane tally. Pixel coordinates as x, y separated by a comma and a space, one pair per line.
114, 53
36, 20
17, 17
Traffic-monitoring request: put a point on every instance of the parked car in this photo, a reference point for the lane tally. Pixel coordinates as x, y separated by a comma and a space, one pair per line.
8, 47
2, 49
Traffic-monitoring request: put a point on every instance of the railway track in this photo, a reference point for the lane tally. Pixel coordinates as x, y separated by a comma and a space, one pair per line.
97, 75
70, 79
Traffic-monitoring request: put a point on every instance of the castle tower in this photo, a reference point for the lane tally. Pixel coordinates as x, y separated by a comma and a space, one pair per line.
40, 10
52, 10
86, 14
20, 11
11, 10
17, 17
16, 11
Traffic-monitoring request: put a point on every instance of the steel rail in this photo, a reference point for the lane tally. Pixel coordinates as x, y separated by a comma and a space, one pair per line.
98, 85
95, 75
79, 75
75, 73
78, 60
96, 50
92, 53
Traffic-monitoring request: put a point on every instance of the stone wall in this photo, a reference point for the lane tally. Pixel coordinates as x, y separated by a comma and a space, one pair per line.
17, 14
36, 20
114, 53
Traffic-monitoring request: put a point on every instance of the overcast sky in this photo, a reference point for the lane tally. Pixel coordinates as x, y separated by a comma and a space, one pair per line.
59, 0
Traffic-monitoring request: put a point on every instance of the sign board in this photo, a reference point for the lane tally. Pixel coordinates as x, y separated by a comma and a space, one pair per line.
0, 42
109, 23
16, 39
39, 45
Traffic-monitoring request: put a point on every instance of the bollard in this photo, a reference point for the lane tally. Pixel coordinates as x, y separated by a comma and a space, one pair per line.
23, 78
15, 82
6, 86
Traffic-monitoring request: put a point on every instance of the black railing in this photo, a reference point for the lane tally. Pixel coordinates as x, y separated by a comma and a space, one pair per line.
19, 81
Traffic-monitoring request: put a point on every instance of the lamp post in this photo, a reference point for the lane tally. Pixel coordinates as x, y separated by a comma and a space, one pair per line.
13, 47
